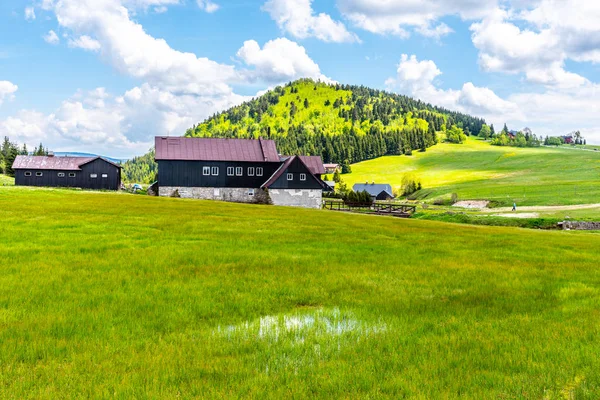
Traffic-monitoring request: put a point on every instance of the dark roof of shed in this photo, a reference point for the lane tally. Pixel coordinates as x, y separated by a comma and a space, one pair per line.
373, 188
55, 163
211, 149
314, 164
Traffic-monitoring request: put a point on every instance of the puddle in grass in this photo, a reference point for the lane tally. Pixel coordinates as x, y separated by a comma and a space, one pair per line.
299, 339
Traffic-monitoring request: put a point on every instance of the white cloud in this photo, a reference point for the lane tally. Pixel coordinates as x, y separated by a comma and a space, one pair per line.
51, 37
121, 126
297, 18
401, 17
29, 13
7, 90
279, 60
417, 78
207, 5
86, 43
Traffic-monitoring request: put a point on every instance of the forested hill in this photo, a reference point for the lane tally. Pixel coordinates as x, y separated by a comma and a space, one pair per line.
342, 123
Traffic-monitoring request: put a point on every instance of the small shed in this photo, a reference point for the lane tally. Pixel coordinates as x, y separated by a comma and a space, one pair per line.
377, 191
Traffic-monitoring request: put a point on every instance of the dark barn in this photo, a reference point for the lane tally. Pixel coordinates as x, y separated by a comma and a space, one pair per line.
238, 170
77, 172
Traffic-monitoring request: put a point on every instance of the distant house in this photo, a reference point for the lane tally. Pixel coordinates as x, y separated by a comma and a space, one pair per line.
237, 170
77, 172
512, 134
331, 168
377, 191
568, 139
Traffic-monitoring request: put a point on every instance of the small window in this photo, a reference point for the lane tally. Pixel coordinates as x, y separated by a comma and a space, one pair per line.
39, 174
61, 174
259, 171
230, 171
93, 176
28, 173
239, 171
72, 174
251, 192
290, 177
302, 177
250, 171
215, 171
206, 171
105, 175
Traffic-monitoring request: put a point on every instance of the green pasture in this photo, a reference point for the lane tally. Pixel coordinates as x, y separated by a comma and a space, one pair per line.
118, 296
477, 170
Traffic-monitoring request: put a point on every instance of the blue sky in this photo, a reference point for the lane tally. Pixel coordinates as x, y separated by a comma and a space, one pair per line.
105, 76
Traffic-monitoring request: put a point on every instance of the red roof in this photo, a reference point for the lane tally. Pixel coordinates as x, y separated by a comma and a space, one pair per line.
314, 164
54, 163
210, 149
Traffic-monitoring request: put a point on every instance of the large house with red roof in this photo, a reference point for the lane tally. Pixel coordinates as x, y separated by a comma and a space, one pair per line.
77, 172
237, 170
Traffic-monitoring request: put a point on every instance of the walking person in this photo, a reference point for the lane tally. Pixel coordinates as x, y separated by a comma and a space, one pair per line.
515, 206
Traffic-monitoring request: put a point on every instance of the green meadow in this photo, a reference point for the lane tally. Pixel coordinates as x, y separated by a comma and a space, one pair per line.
108, 295
476, 170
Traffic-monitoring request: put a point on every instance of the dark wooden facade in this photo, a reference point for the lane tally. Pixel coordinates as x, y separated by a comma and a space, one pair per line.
108, 176
296, 171
177, 173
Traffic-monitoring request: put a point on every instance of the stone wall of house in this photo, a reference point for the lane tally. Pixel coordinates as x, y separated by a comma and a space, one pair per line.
580, 226
236, 195
306, 198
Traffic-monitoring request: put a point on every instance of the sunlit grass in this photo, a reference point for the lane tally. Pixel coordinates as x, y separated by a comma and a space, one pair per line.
118, 296
477, 170
6, 180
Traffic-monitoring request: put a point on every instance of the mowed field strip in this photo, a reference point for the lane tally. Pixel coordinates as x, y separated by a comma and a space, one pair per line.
113, 295
476, 170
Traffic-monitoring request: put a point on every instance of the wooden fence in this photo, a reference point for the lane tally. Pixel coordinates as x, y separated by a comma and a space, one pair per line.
396, 210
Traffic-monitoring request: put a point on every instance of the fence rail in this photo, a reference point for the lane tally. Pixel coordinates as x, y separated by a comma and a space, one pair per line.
397, 210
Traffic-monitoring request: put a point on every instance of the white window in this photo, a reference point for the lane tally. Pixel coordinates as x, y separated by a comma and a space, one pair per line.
259, 171
215, 171
206, 171
217, 192
250, 171
105, 175
39, 174
27, 173
93, 176
239, 171
72, 174
302, 177
251, 192
290, 177
61, 174
230, 171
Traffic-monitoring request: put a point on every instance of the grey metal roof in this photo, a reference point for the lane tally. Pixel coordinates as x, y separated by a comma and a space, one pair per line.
373, 188
55, 163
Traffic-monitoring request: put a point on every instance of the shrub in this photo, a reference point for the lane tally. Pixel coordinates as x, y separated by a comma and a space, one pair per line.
410, 184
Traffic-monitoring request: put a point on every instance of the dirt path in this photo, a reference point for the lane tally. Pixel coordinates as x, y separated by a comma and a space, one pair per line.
547, 208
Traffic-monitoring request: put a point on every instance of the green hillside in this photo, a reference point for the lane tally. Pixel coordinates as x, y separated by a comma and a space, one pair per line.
341, 123
120, 296
477, 170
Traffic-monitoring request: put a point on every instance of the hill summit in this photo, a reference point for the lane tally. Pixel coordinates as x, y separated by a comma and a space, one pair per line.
341, 123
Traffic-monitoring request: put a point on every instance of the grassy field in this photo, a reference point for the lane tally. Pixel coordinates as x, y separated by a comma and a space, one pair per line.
477, 170
118, 296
